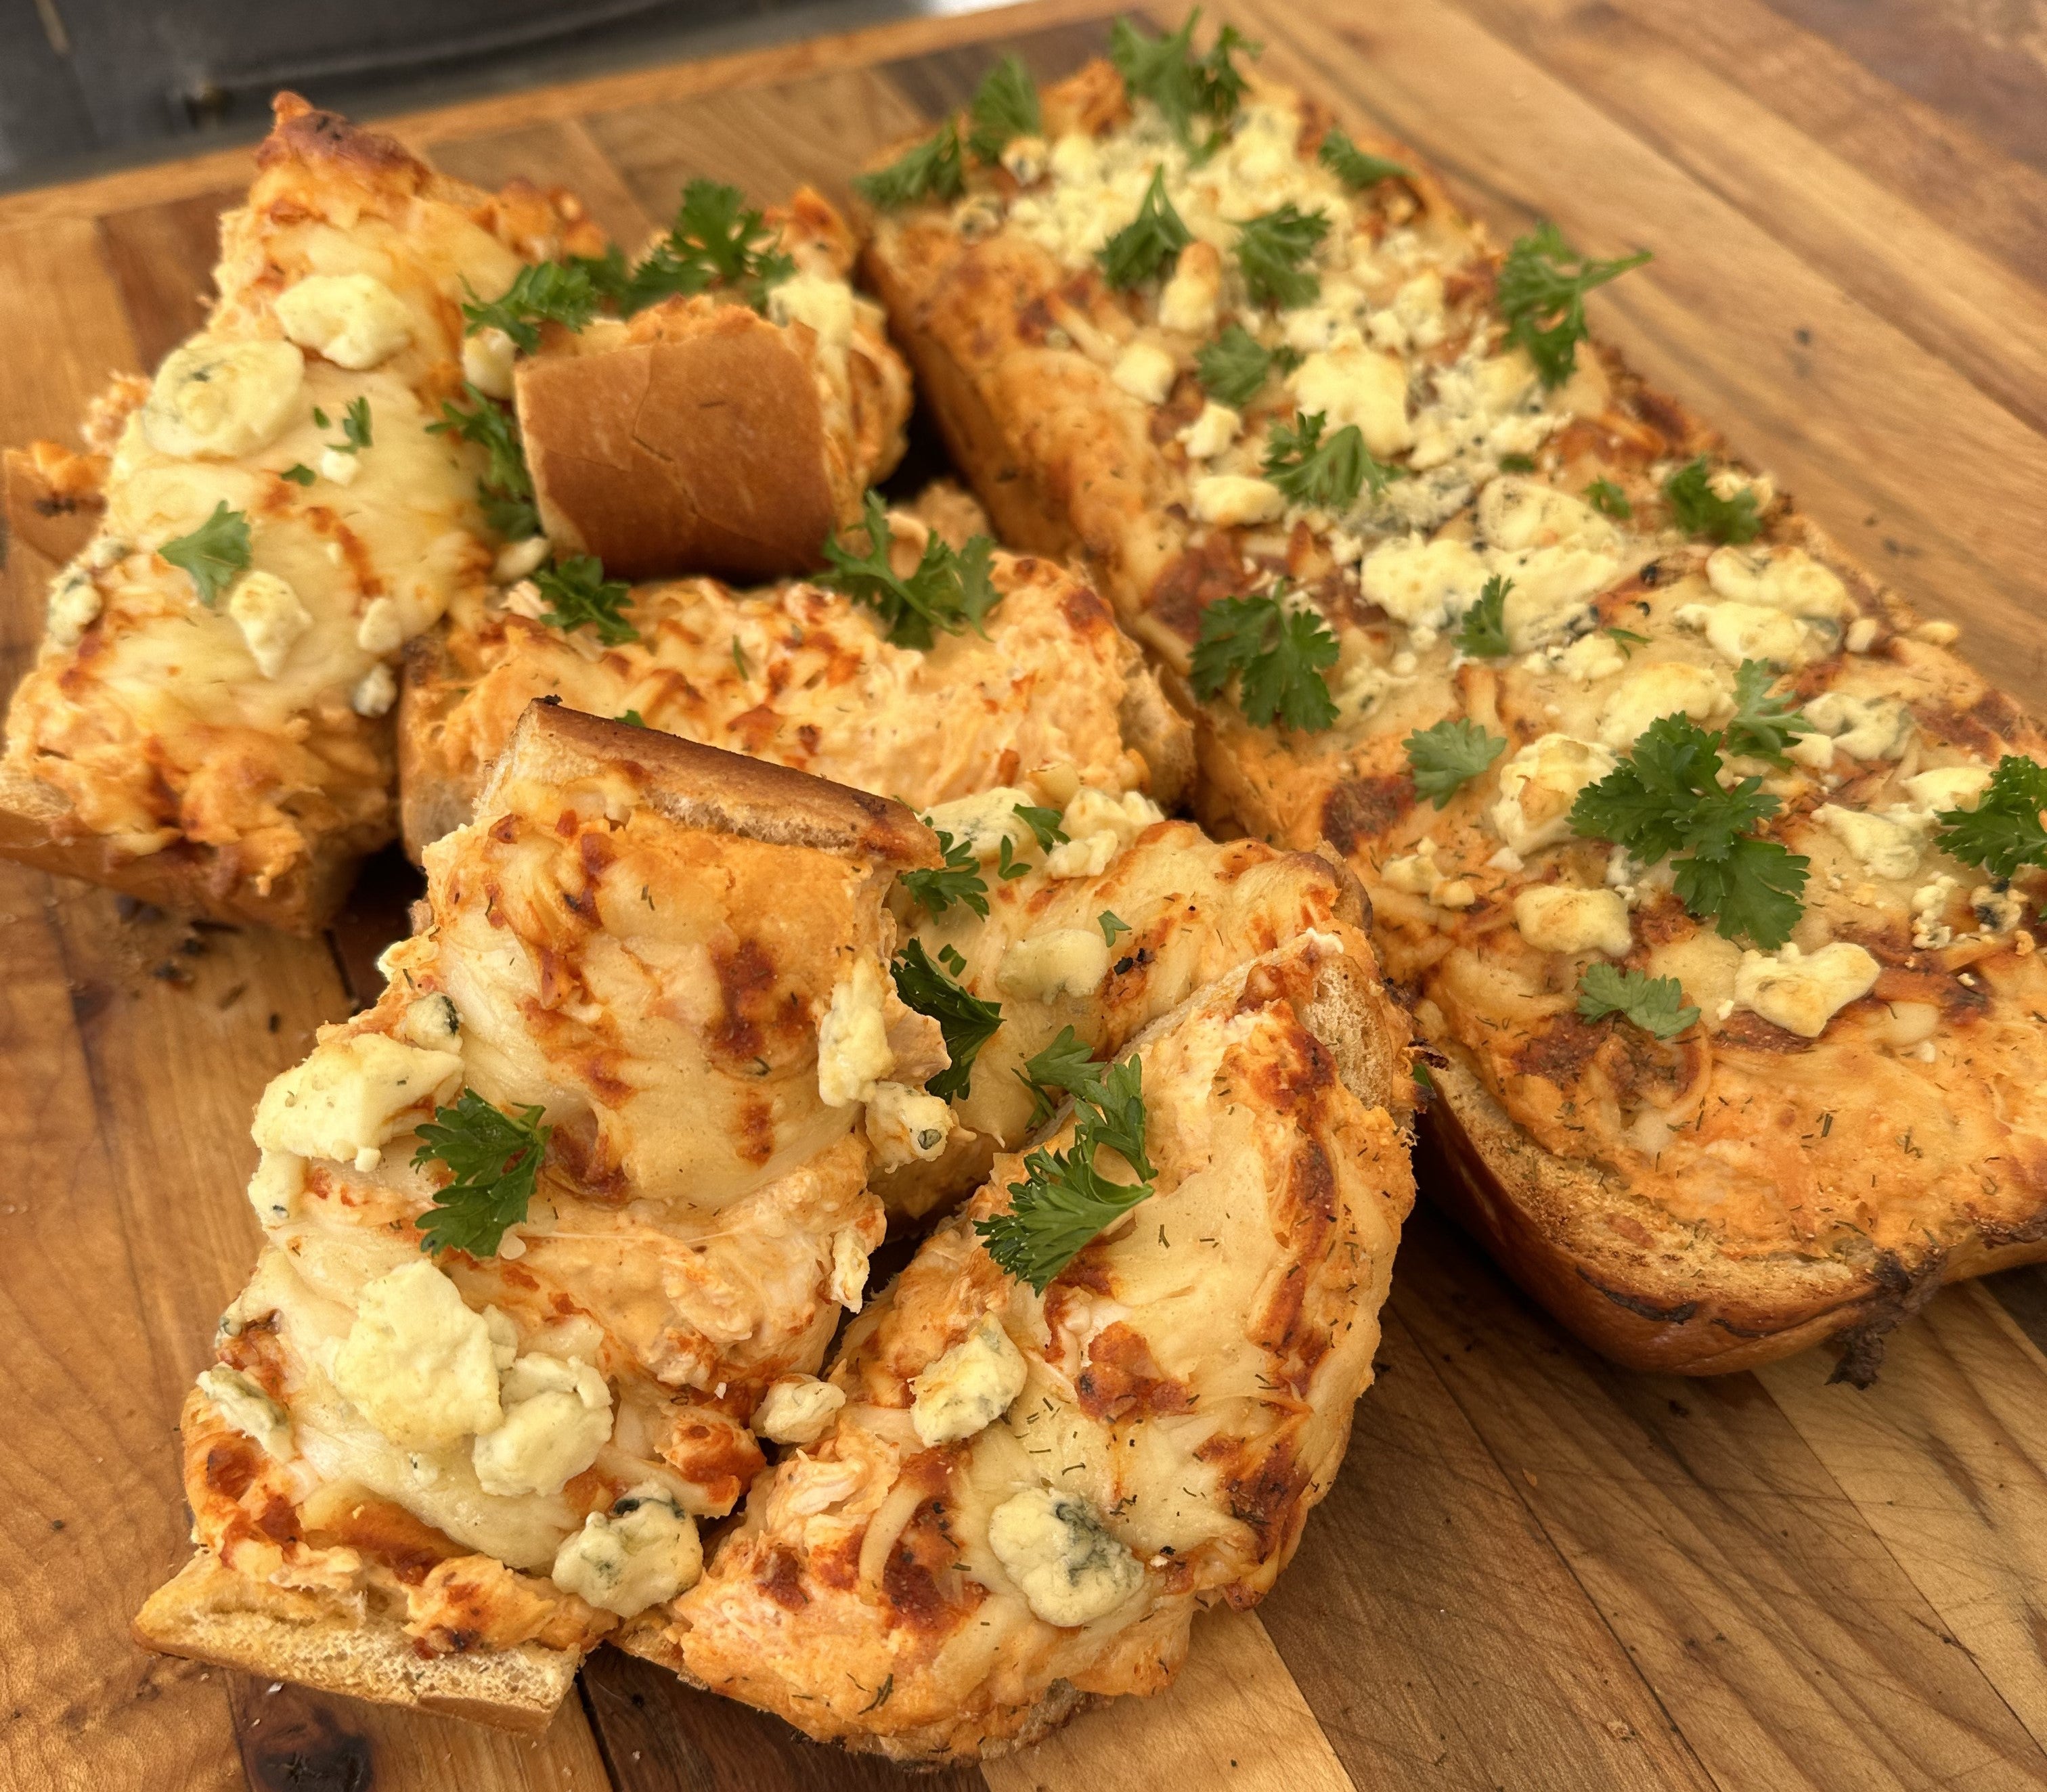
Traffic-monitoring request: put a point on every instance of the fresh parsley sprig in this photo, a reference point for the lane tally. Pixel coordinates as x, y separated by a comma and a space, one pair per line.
717, 239
1763, 725
507, 497
1043, 824
577, 593
355, 434
1665, 797
1005, 107
1352, 166
1276, 653
949, 590
1657, 1005
495, 1157
569, 292
967, 1022
1699, 510
1148, 242
1609, 500
1270, 250
957, 880
1447, 756
1235, 365
2003, 833
1542, 287
929, 170
1483, 633
1185, 87
1328, 474
1111, 925
214, 554
1065, 1200
1065, 1065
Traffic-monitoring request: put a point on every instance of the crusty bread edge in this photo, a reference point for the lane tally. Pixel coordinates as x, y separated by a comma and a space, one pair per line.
701, 786
208, 1612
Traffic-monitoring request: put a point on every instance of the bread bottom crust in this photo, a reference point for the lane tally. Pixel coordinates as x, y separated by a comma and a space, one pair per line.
208, 1612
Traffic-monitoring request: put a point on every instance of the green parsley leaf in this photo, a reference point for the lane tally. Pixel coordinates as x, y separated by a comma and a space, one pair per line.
1005, 106
1065, 1199
1007, 866
1517, 463
1484, 634
930, 170
355, 429
320, 417
1270, 249
298, 473
954, 959
1183, 86
1542, 287
563, 292
1111, 925
213, 553
1665, 796
578, 592
1657, 1005
1763, 725
2003, 833
495, 1157
1043, 823
1155, 237
1629, 640
1447, 756
1066, 1065
508, 487
1330, 474
1235, 365
1352, 166
1699, 510
948, 590
632, 718
739, 659
717, 239
957, 880
1276, 654
967, 1022
1609, 500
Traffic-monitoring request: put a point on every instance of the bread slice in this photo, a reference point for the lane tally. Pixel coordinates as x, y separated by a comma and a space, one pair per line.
1121, 1403
209, 1613
225, 750
1700, 1200
1047, 680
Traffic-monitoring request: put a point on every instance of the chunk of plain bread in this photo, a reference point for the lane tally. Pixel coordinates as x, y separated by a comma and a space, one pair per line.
701, 451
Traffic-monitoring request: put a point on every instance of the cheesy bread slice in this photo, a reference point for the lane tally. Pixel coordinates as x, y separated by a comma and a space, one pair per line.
1011, 1499
541, 1227
207, 724
1710, 869
811, 676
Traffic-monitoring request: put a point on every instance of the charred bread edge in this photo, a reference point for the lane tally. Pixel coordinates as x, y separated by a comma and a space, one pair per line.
701, 786
208, 1612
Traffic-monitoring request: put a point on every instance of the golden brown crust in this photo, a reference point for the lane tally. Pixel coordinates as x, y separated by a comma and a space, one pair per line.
208, 1612
700, 448
706, 787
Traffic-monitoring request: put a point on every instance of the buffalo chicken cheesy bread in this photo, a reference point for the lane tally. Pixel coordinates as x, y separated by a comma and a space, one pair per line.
1709, 871
1010, 665
724, 412
274, 517
1030, 1465
545, 1225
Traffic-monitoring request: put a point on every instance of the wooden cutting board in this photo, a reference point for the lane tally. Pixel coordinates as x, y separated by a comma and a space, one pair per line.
1537, 1571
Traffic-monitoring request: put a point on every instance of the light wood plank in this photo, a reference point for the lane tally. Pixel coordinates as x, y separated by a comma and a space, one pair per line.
1234, 1718
1945, 1459
1984, 320
1727, 1552
163, 257
559, 152
1806, 381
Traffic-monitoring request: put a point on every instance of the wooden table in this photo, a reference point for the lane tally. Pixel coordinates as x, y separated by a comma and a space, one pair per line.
1537, 1571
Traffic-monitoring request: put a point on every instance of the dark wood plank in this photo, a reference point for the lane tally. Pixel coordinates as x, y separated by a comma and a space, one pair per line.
2022, 1293
1780, 1637
660, 1735
1983, 64
1437, 1630
163, 258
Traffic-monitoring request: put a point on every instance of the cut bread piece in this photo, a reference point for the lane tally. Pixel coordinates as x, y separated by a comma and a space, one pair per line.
1024, 1494
207, 724
808, 677
1498, 559
699, 436
473, 1418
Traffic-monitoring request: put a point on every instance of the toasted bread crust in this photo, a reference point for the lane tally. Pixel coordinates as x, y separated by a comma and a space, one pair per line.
208, 1612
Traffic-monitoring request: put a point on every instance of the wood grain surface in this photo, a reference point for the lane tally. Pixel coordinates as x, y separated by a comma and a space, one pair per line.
1537, 1571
